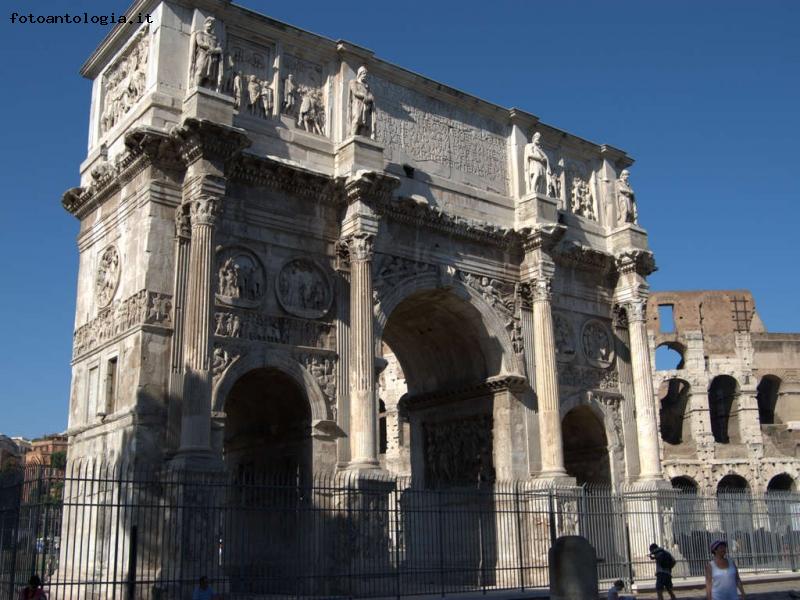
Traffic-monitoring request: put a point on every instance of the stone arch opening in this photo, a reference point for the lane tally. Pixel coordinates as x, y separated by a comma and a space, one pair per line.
446, 353
586, 447
767, 396
685, 484
781, 483
670, 356
675, 419
267, 448
268, 427
722, 395
735, 507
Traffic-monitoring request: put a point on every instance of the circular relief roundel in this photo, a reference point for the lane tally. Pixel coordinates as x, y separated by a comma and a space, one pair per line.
303, 288
240, 278
107, 280
597, 344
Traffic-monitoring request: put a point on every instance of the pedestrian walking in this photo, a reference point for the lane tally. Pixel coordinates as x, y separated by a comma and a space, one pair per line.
664, 564
722, 576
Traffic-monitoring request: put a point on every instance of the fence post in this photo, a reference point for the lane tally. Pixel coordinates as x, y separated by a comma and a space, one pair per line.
519, 538
15, 536
551, 509
441, 541
131, 585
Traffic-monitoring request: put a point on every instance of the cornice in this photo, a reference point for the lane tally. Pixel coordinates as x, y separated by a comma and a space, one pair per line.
512, 383
144, 147
634, 260
200, 138
541, 237
579, 256
290, 179
408, 211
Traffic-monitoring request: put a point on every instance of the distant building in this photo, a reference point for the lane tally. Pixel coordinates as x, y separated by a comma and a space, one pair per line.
10, 455
42, 449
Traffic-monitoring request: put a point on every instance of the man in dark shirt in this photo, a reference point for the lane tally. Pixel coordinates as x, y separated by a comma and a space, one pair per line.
664, 564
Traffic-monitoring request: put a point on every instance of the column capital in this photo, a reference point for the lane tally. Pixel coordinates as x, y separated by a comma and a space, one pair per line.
636, 310
204, 210
361, 247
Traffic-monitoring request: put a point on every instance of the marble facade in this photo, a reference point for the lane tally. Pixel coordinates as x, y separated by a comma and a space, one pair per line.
297, 256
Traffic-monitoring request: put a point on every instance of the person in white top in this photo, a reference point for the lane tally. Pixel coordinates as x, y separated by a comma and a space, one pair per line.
722, 576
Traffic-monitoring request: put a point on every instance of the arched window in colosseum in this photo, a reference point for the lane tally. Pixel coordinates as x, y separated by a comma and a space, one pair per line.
767, 396
674, 399
684, 484
781, 483
735, 506
723, 406
670, 357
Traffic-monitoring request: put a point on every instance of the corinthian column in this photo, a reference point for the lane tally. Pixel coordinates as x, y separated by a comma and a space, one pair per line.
552, 447
196, 414
363, 405
647, 427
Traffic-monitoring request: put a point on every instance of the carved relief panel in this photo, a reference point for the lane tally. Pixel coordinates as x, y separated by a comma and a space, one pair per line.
564, 334
248, 77
431, 131
581, 195
459, 452
304, 289
597, 344
124, 82
304, 97
107, 278
241, 279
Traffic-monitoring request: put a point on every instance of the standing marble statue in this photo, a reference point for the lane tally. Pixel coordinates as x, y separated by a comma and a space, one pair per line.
626, 200
267, 98
253, 95
289, 87
362, 106
536, 166
237, 90
206, 53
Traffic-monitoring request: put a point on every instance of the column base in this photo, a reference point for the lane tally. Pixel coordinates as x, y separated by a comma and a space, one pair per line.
556, 479
650, 483
196, 459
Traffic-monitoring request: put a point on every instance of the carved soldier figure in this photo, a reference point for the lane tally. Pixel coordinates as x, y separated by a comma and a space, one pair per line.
362, 106
309, 114
267, 98
289, 88
253, 95
536, 166
237, 90
206, 56
626, 201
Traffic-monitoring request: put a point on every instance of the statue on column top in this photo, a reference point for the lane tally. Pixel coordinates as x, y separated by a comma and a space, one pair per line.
206, 57
536, 166
362, 106
626, 200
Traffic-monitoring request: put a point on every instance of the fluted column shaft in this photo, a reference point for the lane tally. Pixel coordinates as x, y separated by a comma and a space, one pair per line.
547, 381
363, 405
343, 365
196, 417
647, 427
182, 244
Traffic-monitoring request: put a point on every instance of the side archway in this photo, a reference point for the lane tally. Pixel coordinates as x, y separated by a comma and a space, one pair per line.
271, 359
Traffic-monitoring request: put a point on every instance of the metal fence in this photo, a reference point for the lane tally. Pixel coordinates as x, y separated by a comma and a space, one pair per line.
103, 532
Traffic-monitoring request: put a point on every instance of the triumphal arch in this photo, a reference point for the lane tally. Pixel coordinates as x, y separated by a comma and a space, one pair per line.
297, 257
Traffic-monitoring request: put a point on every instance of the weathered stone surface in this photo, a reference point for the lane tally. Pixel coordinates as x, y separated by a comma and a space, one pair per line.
573, 569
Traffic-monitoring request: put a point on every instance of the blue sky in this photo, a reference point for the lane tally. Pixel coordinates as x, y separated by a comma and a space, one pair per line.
704, 95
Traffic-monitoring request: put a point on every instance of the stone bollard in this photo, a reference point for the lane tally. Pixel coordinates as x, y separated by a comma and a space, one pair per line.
573, 569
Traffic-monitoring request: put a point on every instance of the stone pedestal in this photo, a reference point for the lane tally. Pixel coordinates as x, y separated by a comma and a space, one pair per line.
356, 154
537, 208
573, 569
202, 103
627, 236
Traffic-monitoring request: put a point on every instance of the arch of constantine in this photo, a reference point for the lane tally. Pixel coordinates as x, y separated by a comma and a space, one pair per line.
297, 258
